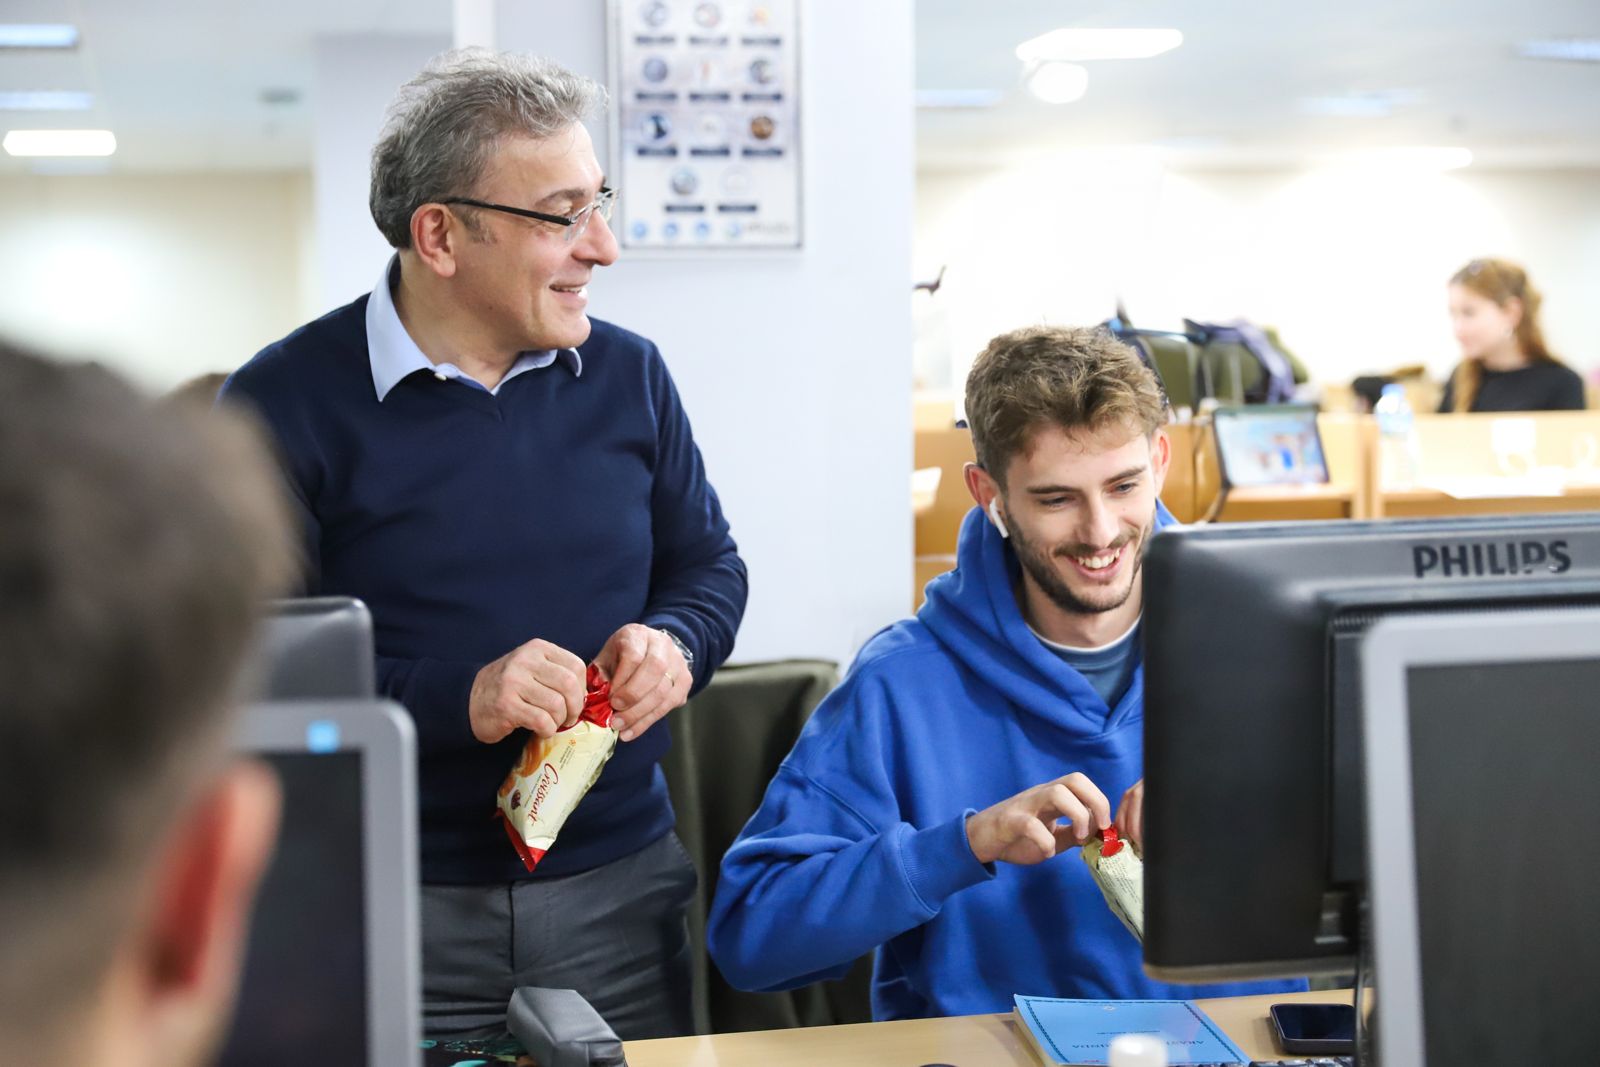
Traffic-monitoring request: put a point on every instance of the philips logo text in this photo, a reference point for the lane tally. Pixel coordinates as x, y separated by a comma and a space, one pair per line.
1478, 560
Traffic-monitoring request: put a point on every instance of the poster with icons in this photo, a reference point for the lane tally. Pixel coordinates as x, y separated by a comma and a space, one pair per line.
706, 133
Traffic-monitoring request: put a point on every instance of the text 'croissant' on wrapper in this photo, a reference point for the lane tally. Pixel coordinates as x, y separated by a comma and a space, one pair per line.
555, 773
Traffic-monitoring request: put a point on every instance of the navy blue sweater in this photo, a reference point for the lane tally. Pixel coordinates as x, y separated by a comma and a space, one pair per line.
562, 508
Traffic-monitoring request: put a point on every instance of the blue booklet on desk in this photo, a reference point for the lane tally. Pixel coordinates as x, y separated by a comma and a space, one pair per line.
1074, 1032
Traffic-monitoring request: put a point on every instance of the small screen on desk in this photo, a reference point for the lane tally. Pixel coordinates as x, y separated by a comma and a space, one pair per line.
1508, 917
1270, 446
304, 994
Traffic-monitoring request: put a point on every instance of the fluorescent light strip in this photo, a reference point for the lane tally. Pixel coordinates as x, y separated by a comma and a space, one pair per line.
1080, 45
1348, 107
51, 168
45, 100
38, 35
932, 99
59, 143
1573, 49
1371, 105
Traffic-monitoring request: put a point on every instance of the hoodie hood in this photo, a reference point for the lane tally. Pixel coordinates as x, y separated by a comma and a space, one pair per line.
973, 613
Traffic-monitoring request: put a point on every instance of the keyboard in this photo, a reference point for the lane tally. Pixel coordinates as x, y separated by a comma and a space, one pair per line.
1307, 1061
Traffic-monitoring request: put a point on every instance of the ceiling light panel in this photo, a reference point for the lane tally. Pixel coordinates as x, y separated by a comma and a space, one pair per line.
45, 100
38, 35
1572, 49
59, 143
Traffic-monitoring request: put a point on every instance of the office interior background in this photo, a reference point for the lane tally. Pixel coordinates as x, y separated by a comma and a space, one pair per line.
1322, 170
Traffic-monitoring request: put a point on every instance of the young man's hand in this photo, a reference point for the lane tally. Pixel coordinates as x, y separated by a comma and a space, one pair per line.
1036, 824
537, 686
1130, 815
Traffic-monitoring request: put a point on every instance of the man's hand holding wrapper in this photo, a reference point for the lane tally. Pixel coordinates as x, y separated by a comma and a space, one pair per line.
555, 772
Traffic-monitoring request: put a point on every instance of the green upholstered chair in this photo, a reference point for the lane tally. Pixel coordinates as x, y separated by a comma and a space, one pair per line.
726, 745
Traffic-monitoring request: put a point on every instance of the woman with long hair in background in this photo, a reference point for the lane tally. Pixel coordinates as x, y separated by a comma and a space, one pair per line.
1505, 364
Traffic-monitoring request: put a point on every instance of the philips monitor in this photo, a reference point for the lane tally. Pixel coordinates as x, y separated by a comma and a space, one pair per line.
317, 648
1253, 785
1482, 733
332, 970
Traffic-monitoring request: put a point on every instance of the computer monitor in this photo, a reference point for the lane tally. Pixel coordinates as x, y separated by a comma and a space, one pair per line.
1269, 444
1482, 732
317, 648
333, 968
1253, 784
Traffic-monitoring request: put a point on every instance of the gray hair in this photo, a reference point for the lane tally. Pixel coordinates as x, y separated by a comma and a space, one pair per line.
444, 124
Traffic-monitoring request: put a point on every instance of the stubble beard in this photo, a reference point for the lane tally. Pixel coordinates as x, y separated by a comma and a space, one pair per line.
1039, 566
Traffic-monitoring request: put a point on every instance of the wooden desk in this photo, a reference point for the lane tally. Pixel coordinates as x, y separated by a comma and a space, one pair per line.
966, 1041
1432, 503
1475, 449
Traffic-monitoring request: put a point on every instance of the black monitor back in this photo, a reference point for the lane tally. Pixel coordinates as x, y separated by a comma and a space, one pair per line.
317, 648
1253, 804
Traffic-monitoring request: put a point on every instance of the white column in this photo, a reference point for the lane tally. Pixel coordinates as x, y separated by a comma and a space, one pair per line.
353, 79
796, 371
474, 23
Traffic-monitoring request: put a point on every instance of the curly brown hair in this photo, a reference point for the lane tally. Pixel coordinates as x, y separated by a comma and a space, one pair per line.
1071, 377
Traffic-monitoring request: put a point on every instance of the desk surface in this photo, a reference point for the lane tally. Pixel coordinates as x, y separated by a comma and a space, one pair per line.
966, 1041
1425, 502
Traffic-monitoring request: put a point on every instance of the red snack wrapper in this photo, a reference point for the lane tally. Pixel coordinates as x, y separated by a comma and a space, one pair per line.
555, 773
1112, 842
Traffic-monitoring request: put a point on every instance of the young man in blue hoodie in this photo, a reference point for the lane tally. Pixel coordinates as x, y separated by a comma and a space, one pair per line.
926, 807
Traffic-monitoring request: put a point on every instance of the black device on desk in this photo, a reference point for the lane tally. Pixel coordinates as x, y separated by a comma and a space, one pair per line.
1254, 842
1324, 1029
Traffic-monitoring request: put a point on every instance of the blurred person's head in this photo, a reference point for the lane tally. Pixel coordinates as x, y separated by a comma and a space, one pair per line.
136, 545
1367, 389
197, 392
1494, 313
1071, 457
472, 149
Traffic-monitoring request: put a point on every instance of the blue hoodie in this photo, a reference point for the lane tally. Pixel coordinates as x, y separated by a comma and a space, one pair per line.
860, 842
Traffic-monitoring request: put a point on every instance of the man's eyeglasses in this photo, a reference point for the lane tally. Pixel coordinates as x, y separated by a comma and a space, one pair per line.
576, 224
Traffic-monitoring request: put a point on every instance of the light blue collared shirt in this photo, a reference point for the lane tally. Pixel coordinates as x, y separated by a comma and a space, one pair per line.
394, 355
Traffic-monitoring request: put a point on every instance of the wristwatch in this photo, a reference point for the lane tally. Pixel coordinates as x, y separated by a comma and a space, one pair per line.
683, 649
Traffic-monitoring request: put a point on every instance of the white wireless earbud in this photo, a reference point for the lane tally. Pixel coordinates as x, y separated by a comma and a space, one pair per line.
994, 516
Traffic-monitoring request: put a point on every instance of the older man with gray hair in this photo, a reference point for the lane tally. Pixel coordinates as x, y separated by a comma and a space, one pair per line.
513, 489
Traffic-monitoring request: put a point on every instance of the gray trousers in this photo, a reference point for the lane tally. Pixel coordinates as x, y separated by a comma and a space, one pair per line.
616, 934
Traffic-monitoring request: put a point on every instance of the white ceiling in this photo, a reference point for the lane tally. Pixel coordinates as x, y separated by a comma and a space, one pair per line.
1232, 93
181, 81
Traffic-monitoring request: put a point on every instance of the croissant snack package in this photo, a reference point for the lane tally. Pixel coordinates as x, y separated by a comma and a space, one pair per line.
1119, 872
555, 772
